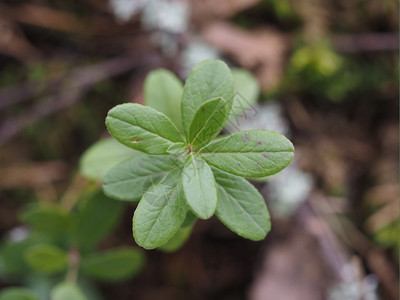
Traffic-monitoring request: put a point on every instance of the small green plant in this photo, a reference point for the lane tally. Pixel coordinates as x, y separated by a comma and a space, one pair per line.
186, 171
54, 255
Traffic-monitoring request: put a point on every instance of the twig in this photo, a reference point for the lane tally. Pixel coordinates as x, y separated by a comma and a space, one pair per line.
356, 240
73, 89
335, 254
12, 126
27, 90
72, 194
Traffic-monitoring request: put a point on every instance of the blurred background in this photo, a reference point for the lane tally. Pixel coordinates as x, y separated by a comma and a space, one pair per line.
326, 76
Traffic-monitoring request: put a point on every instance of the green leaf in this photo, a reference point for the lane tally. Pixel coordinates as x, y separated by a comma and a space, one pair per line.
142, 128
252, 153
177, 240
46, 258
247, 89
160, 213
17, 294
102, 156
67, 291
113, 265
90, 289
208, 79
183, 234
163, 92
48, 218
177, 149
41, 283
189, 220
199, 186
208, 122
241, 207
131, 179
12, 262
97, 218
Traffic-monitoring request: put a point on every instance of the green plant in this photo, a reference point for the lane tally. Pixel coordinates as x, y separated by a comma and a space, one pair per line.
189, 173
55, 254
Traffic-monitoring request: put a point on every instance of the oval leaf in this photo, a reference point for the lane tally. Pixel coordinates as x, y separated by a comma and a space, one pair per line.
102, 156
142, 128
97, 218
241, 207
17, 294
208, 79
12, 262
247, 90
67, 291
251, 153
46, 258
131, 179
160, 213
163, 92
116, 264
208, 122
189, 220
178, 240
48, 218
199, 186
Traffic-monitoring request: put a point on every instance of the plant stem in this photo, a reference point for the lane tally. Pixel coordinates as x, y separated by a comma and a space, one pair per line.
72, 194
73, 269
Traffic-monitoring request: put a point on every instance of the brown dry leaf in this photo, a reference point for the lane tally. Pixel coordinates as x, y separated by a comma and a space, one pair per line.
263, 50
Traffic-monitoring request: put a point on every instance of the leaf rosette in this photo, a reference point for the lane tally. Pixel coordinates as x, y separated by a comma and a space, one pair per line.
188, 171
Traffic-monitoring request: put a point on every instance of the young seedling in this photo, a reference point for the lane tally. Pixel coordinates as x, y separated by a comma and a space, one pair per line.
191, 171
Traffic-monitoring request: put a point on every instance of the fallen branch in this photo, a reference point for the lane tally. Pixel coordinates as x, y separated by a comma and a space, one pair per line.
73, 88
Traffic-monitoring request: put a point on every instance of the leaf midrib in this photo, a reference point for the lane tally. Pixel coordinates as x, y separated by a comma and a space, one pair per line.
155, 134
198, 177
246, 152
205, 123
141, 176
